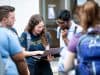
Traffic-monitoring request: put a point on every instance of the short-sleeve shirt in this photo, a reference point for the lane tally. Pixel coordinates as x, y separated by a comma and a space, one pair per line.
9, 46
35, 45
73, 43
72, 30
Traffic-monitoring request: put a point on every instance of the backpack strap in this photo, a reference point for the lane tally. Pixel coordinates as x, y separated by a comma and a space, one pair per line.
28, 39
14, 30
78, 45
75, 29
94, 68
80, 40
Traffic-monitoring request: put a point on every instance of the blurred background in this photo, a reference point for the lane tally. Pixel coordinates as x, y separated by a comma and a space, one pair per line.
49, 9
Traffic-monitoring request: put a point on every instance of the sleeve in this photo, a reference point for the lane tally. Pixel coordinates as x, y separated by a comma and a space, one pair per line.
73, 44
23, 40
14, 44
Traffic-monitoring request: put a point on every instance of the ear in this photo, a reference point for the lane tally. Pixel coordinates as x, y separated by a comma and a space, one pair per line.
4, 19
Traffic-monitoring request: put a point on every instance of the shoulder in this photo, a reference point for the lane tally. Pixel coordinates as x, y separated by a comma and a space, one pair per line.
3, 29
4, 33
77, 35
73, 43
76, 27
24, 34
14, 30
7, 32
79, 28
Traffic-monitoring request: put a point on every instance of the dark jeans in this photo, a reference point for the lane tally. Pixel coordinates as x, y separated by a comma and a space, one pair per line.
41, 67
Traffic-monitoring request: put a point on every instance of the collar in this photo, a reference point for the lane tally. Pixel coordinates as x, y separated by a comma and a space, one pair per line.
90, 29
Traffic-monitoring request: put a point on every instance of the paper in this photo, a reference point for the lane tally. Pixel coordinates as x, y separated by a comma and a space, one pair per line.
51, 12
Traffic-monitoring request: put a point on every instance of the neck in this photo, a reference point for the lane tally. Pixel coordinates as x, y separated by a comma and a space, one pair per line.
2, 24
34, 33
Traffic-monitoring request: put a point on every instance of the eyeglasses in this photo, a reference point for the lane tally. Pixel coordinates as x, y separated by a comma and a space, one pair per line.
64, 24
60, 22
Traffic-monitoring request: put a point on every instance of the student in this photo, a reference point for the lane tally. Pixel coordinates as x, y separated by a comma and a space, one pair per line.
89, 20
38, 44
10, 22
10, 48
66, 30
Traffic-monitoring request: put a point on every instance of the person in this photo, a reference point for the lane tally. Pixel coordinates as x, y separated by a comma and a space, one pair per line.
75, 16
38, 44
10, 48
66, 28
89, 20
10, 22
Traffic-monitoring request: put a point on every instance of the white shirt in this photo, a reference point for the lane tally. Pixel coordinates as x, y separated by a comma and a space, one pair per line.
62, 44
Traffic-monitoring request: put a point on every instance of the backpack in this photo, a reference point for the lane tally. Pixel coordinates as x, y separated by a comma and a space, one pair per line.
88, 54
28, 39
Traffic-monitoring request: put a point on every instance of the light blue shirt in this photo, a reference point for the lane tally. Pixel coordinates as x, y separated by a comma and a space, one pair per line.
9, 46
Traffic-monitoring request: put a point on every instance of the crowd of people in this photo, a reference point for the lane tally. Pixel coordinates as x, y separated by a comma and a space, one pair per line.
80, 42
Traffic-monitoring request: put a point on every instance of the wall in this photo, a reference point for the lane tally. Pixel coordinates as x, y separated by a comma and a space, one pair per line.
98, 1
24, 9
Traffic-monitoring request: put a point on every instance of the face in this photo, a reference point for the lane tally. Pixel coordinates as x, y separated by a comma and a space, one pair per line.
38, 28
10, 19
63, 24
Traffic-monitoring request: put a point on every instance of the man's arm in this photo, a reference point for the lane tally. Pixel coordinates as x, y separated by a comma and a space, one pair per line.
15, 51
69, 61
21, 64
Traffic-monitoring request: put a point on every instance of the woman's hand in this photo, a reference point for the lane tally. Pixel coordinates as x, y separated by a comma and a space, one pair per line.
39, 52
50, 57
31, 53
